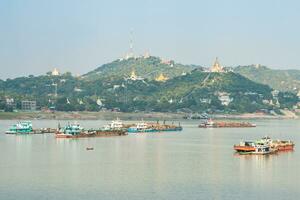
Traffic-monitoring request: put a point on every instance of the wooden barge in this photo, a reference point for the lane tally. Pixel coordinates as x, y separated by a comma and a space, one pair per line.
222, 124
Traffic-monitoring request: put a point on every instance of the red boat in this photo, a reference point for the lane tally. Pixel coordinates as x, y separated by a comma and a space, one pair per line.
283, 145
280, 145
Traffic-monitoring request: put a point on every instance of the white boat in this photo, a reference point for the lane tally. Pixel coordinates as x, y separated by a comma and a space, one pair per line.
115, 125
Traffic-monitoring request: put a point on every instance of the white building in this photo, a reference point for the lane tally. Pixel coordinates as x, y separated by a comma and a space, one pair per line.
225, 99
55, 72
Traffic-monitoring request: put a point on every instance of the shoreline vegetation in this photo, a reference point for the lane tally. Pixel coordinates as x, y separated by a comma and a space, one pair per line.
131, 116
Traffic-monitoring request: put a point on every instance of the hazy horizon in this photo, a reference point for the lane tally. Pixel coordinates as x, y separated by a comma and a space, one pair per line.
37, 36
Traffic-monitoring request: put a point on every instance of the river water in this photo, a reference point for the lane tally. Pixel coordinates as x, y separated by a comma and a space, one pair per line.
192, 164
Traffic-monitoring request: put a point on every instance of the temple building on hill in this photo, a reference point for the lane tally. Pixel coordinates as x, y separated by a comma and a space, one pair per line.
134, 77
217, 67
146, 55
161, 78
55, 72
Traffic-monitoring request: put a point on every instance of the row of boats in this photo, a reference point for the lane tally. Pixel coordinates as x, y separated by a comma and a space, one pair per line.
26, 127
115, 128
263, 146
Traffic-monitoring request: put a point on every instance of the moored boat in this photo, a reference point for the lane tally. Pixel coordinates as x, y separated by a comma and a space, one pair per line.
222, 124
70, 131
21, 128
245, 147
280, 145
263, 149
141, 127
76, 131
115, 125
153, 127
254, 148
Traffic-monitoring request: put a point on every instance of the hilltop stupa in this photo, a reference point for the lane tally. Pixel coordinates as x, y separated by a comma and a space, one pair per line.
55, 72
217, 67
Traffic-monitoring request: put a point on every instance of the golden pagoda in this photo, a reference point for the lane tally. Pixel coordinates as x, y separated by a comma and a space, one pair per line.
133, 75
161, 78
217, 67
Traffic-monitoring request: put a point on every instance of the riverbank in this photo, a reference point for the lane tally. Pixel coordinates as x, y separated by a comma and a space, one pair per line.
130, 116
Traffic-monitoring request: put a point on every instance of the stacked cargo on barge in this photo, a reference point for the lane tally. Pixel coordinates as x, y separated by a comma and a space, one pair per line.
222, 124
143, 127
76, 131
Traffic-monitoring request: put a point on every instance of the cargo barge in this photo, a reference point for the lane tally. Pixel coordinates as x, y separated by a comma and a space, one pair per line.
76, 131
222, 124
143, 127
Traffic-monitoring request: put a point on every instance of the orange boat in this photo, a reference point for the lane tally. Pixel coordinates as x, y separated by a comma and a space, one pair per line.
245, 147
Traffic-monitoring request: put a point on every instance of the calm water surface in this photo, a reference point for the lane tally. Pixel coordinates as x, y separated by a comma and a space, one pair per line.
192, 164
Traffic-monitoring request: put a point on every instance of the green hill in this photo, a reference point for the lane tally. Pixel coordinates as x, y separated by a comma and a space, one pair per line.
283, 80
107, 87
148, 68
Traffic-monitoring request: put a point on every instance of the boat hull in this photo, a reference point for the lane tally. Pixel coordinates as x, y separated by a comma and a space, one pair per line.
93, 133
245, 149
134, 130
229, 125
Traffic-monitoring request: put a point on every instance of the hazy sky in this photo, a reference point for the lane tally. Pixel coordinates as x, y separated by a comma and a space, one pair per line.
80, 35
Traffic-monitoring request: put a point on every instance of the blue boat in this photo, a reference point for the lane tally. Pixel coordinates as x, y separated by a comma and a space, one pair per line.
20, 128
140, 127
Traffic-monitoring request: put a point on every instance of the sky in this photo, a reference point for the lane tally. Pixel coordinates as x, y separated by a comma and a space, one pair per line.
81, 35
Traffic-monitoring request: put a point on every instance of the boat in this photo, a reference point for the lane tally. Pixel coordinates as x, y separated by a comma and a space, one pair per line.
76, 131
263, 149
115, 125
221, 124
255, 148
283, 145
141, 127
245, 147
21, 128
89, 148
70, 131
280, 145
153, 127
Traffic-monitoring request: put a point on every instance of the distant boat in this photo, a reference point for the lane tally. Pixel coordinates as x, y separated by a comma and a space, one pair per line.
89, 148
76, 131
140, 128
153, 127
217, 124
21, 128
115, 125
70, 131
